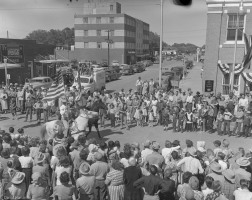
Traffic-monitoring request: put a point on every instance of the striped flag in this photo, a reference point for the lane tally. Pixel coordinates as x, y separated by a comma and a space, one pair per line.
247, 43
57, 88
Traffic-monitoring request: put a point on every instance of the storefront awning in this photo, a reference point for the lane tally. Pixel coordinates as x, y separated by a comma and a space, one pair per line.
9, 66
247, 76
226, 67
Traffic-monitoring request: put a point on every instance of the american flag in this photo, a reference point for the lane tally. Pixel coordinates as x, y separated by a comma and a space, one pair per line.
57, 88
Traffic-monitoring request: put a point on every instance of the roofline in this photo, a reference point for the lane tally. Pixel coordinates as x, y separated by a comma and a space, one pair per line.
227, 1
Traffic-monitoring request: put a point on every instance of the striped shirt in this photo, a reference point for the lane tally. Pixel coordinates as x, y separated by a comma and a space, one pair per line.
115, 177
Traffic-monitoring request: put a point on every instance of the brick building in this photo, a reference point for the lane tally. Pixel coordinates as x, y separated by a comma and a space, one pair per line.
20, 53
222, 22
128, 37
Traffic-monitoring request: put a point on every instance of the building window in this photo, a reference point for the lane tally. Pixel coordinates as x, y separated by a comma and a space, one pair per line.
98, 32
86, 45
226, 83
85, 20
85, 32
111, 7
111, 20
232, 24
99, 45
98, 20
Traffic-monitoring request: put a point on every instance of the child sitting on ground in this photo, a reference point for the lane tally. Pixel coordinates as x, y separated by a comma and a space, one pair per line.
11, 130
217, 145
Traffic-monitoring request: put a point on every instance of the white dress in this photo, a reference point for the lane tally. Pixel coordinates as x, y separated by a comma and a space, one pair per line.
154, 107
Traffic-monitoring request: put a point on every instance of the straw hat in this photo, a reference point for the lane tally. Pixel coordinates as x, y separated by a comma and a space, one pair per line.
84, 169
216, 167
194, 183
229, 175
18, 178
243, 162
40, 158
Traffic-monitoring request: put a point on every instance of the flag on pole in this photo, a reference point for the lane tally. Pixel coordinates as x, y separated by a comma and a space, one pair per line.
57, 88
248, 53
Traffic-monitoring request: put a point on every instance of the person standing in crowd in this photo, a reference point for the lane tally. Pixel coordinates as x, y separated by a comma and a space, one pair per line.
151, 86
20, 99
4, 101
139, 85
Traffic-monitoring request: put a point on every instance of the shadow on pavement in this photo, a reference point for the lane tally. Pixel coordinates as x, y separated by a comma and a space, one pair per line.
4, 118
104, 133
31, 125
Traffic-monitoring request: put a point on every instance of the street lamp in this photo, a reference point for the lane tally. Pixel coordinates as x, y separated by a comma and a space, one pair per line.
5, 68
161, 44
232, 75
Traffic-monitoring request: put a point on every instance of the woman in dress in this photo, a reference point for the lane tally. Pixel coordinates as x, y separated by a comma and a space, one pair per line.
145, 88
4, 101
154, 106
114, 180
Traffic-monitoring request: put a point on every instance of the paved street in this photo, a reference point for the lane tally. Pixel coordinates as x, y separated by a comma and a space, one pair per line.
139, 134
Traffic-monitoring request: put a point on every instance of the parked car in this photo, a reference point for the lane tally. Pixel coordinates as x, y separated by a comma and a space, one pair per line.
111, 74
39, 82
115, 63
127, 69
138, 67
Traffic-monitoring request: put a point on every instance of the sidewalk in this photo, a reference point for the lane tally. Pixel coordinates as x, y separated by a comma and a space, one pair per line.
193, 79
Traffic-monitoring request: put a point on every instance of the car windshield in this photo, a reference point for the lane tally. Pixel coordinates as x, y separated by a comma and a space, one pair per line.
36, 80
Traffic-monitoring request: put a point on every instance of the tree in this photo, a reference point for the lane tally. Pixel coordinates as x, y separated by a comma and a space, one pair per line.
154, 42
63, 37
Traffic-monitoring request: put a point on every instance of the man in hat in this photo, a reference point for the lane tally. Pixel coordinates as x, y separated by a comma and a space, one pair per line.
229, 185
85, 184
241, 172
99, 170
216, 172
155, 158
191, 164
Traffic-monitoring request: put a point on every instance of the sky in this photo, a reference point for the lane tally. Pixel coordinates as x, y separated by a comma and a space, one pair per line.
181, 24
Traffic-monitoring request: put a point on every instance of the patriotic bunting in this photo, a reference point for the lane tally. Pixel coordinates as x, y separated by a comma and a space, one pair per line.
247, 76
226, 67
57, 88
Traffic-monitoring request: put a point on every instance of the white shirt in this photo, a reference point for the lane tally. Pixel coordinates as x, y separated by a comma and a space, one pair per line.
189, 99
206, 192
222, 164
26, 162
243, 102
138, 82
191, 165
145, 153
166, 152
63, 109
242, 194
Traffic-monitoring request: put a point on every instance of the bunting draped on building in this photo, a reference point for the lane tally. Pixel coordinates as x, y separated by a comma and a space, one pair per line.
57, 88
247, 76
226, 67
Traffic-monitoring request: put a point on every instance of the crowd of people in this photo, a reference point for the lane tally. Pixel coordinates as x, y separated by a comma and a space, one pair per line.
147, 105
95, 170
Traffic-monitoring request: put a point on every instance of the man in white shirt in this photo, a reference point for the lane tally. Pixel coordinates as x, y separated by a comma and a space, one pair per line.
243, 102
166, 152
243, 193
139, 84
191, 164
147, 151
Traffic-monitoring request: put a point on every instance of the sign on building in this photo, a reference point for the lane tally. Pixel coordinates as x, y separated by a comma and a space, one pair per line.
14, 53
209, 85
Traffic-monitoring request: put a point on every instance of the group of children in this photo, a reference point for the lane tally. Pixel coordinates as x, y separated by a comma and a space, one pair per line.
242, 119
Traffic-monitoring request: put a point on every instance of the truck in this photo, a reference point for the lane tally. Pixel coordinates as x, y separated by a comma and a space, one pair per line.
91, 82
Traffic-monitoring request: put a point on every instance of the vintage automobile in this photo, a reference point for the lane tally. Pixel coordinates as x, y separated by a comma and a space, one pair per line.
138, 67
126, 69
179, 71
111, 74
39, 82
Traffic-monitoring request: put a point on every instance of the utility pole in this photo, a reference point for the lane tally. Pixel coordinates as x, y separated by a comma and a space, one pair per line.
161, 46
7, 34
109, 41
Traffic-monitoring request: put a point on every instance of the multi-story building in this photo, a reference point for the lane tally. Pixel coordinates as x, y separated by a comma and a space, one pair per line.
220, 52
101, 23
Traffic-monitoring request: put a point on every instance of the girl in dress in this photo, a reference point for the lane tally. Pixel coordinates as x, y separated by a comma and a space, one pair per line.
154, 106
136, 116
151, 118
128, 116
141, 119
145, 113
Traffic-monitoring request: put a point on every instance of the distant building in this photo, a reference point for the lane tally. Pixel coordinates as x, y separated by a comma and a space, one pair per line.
222, 18
21, 55
103, 22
